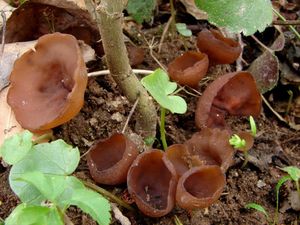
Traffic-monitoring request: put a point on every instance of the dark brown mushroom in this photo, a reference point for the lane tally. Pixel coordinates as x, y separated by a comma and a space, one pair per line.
109, 160
189, 68
234, 94
48, 83
212, 147
200, 187
152, 183
220, 50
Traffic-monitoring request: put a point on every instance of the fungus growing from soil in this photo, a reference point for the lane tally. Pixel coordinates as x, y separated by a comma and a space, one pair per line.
231, 94
48, 83
220, 50
211, 147
109, 160
200, 187
152, 183
189, 68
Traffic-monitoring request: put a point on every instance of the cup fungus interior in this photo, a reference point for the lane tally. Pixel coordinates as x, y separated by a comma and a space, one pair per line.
189, 68
105, 154
212, 147
48, 83
179, 157
231, 94
204, 183
220, 50
152, 181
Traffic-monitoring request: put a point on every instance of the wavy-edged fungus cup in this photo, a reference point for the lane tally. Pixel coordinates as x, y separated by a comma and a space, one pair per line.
152, 181
181, 158
231, 94
189, 68
109, 160
48, 83
212, 147
220, 50
200, 187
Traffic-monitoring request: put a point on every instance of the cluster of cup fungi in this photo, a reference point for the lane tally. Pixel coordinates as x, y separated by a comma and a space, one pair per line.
192, 174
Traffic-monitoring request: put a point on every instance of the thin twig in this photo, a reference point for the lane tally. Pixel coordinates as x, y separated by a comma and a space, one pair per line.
239, 65
130, 114
273, 111
262, 44
290, 26
119, 216
287, 22
107, 194
151, 47
106, 72
3, 35
164, 33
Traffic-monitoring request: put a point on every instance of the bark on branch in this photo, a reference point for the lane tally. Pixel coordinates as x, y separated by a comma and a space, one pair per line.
109, 17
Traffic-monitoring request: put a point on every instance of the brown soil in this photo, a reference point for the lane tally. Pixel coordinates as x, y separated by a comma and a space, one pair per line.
105, 112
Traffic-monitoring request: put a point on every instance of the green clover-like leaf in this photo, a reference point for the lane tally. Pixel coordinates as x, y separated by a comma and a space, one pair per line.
161, 89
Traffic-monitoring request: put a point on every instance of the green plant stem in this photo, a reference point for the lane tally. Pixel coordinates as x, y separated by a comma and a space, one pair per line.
47, 136
162, 127
246, 156
107, 194
290, 26
298, 187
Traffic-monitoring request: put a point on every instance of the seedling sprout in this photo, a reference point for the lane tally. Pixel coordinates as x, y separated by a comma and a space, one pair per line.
162, 90
238, 143
293, 174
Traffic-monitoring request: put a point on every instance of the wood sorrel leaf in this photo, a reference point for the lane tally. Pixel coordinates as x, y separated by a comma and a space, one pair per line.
38, 215
161, 89
16, 147
237, 16
183, 30
92, 203
293, 171
56, 158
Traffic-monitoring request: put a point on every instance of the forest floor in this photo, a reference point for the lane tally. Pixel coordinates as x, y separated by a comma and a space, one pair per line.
106, 109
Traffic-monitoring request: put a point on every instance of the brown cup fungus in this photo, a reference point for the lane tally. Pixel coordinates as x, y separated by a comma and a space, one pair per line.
212, 147
48, 83
109, 160
152, 183
249, 139
181, 158
189, 68
220, 50
231, 94
200, 187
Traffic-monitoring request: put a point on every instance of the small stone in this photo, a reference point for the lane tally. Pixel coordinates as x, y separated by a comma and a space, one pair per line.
295, 200
260, 184
117, 116
93, 122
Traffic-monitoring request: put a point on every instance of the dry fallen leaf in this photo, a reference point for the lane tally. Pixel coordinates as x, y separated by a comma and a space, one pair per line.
192, 9
66, 16
8, 123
